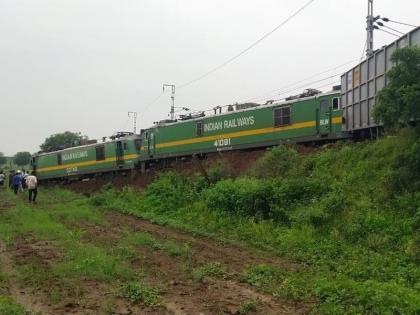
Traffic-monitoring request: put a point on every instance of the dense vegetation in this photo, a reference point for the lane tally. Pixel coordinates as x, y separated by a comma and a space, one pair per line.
350, 214
62, 140
22, 158
399, 102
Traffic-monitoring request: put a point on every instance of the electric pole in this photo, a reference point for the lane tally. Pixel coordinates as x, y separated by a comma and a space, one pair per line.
172, 99
370, 20
134, 115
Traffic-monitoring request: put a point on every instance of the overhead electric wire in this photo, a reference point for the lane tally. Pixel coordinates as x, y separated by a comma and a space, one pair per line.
300, 81
317, 87
286, 89
285, 92
392, 21
153, 101
393, 29
303, 86
246, 49
276, 100
387, 32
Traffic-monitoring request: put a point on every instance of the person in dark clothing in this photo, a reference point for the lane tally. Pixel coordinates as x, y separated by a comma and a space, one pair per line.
11, 174
2, 178
24, 174
16, 182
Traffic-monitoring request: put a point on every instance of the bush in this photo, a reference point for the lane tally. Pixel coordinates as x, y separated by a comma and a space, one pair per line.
217, 172
170, 191
290, 191
280, 161
406, 169
243, 196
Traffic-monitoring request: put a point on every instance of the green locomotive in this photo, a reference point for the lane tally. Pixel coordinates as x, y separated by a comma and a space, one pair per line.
314, 118
120, 153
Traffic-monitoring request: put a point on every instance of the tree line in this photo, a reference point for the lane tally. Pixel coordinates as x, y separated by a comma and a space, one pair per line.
54, 142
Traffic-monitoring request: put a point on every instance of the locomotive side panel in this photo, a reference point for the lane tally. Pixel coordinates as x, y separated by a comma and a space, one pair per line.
263, 126
90, 159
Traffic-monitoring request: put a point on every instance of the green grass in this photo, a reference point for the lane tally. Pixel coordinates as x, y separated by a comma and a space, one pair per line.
59, 218
139, 292
145, 239
350, 214
248, 307
92, 262
280, 283
9, 307
211, 270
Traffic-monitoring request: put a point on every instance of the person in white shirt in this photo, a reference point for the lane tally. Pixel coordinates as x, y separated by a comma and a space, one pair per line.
32, 184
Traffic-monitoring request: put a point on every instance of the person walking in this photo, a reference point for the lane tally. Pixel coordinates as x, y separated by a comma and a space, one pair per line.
2, 178
16, 182
32, 184
24, 174
11, 174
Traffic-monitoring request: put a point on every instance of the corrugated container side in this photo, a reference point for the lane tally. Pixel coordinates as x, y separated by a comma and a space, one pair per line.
361, 84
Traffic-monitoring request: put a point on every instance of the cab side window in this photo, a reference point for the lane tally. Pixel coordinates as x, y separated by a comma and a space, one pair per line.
137, 144
336, 103
100, 153
282, 116
59, 159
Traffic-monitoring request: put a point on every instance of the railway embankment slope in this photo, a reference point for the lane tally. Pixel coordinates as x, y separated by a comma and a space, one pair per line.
333, 230
349, 214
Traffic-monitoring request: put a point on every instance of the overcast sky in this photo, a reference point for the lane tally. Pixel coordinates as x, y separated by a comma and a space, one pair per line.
81, 65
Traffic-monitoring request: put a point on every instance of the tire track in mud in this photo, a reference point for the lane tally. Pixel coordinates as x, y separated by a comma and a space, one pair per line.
183, 295
44, 254
235, 258
26, 251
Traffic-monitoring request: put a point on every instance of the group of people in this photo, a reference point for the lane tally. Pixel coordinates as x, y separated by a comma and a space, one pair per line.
19, 181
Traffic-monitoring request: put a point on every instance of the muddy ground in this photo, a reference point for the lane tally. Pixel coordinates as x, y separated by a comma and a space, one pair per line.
181, 294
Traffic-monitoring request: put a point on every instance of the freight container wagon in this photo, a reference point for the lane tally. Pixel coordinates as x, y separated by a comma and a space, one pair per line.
361, 85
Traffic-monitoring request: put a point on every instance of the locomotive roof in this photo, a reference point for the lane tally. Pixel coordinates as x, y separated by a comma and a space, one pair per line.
276, 104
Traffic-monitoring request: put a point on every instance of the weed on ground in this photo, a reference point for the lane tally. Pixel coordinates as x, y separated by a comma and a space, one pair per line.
349, 214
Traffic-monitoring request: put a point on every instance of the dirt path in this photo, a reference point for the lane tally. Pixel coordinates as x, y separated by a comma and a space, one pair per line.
235, 258
94, 294
182, 294
225, 295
